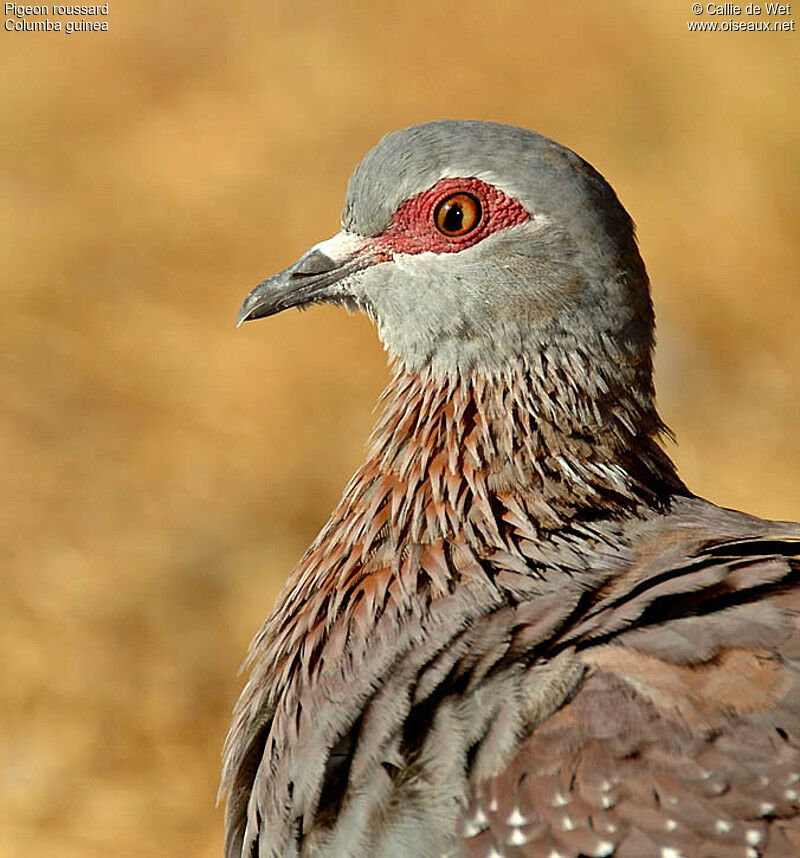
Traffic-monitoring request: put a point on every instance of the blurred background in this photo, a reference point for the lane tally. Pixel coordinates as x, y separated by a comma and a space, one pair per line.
162, 472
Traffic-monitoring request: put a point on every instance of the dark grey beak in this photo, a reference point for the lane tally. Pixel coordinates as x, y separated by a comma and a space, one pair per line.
319, 275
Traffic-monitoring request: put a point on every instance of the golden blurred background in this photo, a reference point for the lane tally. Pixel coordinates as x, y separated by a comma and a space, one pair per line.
163, 471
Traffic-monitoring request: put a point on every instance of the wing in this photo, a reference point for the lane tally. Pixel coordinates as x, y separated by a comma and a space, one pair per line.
684, 738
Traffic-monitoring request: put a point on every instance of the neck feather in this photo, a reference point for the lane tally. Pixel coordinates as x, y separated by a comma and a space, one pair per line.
463, 474
470, 464
455, 460
537, 430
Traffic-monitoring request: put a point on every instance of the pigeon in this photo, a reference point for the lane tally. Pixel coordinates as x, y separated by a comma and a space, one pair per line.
519, 634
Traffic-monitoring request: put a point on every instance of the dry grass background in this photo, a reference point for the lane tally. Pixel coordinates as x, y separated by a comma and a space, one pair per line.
162, 472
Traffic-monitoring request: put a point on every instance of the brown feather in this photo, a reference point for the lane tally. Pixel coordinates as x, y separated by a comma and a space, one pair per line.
517, 608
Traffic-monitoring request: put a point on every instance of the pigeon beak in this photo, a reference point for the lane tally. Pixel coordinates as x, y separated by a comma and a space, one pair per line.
317, 276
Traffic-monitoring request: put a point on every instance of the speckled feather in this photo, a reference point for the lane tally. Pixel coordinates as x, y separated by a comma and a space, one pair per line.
519, 634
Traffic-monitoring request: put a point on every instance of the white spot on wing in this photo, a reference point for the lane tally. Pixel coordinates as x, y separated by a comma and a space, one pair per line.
476, 824
753, 836
517, 838
516, 818
669, 852
567, 824
723, 826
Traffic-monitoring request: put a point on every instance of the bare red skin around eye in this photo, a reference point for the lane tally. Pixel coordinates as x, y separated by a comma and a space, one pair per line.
413, 229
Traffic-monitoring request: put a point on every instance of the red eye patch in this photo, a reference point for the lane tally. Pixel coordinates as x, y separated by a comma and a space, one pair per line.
413, 228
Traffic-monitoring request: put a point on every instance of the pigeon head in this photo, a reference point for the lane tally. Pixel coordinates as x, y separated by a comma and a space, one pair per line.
473, 243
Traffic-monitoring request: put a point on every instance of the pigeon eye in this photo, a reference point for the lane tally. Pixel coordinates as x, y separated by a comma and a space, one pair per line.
457, 215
